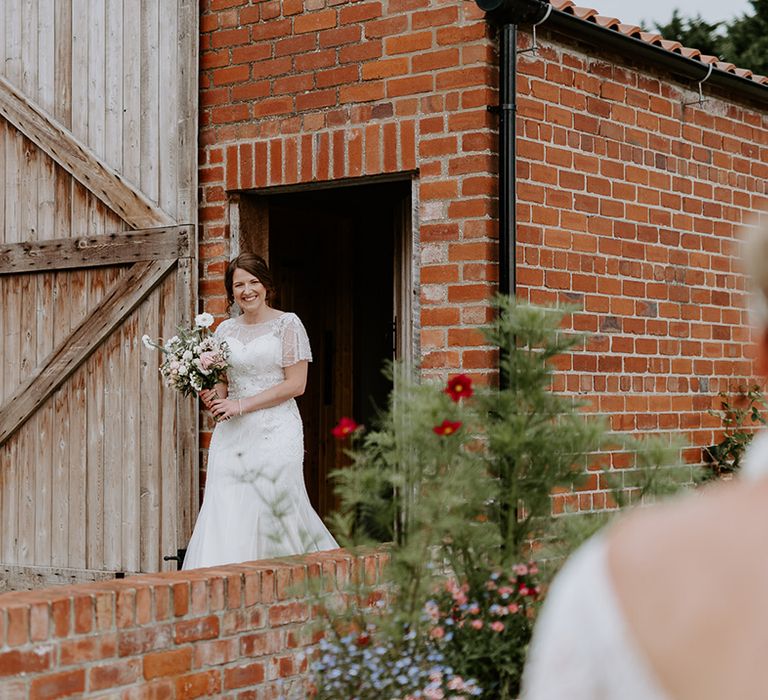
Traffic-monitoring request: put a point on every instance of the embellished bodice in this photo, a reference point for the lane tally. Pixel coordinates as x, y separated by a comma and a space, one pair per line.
259, 352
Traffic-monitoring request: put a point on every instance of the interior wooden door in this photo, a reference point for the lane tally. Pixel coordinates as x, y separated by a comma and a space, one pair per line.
314, 274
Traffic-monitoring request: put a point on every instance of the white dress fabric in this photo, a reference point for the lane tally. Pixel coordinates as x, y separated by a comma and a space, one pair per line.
754, 464
255, 504
581, 647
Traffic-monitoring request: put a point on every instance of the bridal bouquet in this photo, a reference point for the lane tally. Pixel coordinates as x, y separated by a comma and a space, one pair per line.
194, 359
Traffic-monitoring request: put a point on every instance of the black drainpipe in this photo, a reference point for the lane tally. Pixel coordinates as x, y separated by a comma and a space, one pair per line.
508, 14
507, 159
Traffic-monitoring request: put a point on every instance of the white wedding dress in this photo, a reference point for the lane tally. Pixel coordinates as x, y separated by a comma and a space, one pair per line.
255, 504
582, 648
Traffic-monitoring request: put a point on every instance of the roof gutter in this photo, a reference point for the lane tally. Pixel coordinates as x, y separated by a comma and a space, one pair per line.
683, 68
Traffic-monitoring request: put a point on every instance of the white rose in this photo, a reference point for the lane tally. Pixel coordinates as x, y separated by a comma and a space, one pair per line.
203, 320
187, 356
183, 369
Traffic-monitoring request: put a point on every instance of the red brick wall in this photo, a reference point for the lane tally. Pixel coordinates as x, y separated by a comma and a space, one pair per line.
629, 205
628, 202
324, 89
235, 631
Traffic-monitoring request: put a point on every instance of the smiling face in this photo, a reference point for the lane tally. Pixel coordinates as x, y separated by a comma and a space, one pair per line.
249, 293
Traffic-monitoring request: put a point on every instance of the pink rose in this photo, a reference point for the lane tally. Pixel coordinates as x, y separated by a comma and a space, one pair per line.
497, 626
437, 633
477, 624
208, 359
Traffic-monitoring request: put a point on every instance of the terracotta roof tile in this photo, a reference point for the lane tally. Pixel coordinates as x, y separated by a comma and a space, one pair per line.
590, 14
690, 53
630, 30
607, 22
674, 46
582, 12
650, 38
727, 67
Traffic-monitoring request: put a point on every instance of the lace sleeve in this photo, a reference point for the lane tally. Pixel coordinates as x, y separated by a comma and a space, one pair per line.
295, 341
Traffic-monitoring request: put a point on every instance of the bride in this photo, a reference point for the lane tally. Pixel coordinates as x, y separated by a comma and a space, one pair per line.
255, 504
670, 603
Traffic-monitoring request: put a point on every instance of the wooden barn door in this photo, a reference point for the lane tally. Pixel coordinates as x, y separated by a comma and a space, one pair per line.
98, 138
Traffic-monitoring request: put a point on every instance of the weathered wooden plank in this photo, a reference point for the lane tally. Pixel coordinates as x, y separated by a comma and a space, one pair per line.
113, 69
116, 483
91, 251
96, 415
62, 39
119, 302
28, 578
97, 78
168, 109
129, 478
78, 72
80, 161
132, 91
12, 68
187, 127
77, 511
148, 447
167, 422
186, 412
149, 129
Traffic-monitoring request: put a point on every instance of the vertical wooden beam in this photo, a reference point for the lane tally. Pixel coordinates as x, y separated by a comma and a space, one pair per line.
186, 407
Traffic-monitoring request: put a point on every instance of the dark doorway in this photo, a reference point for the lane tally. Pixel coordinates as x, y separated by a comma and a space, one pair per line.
337, 255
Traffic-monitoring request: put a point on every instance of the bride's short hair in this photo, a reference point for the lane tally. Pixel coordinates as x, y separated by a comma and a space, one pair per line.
255, 265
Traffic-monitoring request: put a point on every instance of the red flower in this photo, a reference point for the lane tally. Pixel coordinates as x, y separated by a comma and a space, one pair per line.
458, 387
344, 428
363, 640
447, 427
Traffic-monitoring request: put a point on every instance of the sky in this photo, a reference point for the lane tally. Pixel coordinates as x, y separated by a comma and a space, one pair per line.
635, 11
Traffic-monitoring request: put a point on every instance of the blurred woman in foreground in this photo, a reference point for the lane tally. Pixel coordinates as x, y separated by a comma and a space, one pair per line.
671, 602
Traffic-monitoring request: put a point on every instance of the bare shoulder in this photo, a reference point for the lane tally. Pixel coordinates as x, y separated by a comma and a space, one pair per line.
704, 518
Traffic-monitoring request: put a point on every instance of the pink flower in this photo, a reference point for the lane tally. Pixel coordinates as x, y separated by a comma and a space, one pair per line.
513, 608
460, 597
474, 609
437, 633
520, 569
477, 624
497, 626
208, 359
506, 591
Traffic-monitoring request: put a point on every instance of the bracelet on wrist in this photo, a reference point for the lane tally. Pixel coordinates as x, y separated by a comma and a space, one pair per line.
240, 405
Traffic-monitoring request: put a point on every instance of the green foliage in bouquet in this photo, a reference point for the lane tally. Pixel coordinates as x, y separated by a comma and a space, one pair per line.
460, 481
